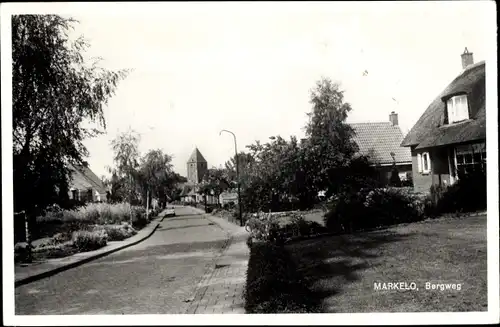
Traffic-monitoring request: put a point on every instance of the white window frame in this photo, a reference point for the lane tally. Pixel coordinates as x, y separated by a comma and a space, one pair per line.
476, 148
458, 108
419, 162
423, 169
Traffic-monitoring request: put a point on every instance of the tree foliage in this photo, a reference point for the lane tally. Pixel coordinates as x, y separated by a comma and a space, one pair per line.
288, 174
135, 175
215, 182
330, 138
157, 175
54, 91
126, 157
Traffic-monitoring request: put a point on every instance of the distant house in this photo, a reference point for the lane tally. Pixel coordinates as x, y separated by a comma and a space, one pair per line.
382, 142
450, 136
228, 197
85, 186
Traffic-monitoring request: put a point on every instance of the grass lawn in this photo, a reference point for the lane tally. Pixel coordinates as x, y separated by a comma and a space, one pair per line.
342, 270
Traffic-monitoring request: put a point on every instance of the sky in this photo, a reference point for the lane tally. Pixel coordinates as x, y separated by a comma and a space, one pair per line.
248, 68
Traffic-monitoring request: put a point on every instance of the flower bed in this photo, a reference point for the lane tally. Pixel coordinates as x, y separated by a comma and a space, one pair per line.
84, 229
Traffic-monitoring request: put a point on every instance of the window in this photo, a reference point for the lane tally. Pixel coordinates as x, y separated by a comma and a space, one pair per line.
458, 109
424, 163
470, 157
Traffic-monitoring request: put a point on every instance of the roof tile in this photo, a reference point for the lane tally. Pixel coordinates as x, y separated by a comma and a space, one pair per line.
379, 140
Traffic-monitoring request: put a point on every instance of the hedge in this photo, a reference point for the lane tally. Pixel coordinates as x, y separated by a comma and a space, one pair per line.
372, 208
273, 283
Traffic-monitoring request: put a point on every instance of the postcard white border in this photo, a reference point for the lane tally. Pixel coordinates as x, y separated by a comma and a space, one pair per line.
135, 8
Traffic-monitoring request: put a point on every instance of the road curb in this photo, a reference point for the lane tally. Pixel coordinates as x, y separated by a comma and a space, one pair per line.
52, 272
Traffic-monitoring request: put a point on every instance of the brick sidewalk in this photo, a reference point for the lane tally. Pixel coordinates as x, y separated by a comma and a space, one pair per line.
221, 288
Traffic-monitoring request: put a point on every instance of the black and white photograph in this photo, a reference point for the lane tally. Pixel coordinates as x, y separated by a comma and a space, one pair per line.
210, 162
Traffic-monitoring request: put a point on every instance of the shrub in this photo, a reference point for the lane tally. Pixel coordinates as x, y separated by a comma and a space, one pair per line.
299, 226
264, 227
89, 240
55, 250
55, 212
21, 252
139, 217
117, 232
60, 238
467, 195
372, 208
273, 283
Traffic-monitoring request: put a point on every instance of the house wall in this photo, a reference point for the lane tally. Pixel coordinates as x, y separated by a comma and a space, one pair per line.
421, 182
439, 174
89, 195
386, 172
440, 167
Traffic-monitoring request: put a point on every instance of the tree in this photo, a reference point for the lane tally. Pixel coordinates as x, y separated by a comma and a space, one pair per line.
126, 157
215, 182
53, 92
118, 192
157, 175
330, 138
245, 160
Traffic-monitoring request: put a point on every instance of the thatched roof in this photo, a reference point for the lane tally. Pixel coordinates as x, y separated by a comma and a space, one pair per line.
431, 130
83, 178
196, 156
378, 140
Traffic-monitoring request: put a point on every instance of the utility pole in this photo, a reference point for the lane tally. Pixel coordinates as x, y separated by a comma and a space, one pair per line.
147, 204
130, 199
240, 205
29, 246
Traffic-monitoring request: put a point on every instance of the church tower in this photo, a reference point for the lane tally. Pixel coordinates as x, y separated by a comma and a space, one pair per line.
196, 167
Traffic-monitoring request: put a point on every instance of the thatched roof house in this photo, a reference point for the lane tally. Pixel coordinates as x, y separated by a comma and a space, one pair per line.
84, 185
449, 138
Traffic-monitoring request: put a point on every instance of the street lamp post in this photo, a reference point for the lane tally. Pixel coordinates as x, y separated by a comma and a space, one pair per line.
237, 174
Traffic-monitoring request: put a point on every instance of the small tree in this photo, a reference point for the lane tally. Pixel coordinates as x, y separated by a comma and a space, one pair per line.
155, 173
126, 157
216, 181
331, 146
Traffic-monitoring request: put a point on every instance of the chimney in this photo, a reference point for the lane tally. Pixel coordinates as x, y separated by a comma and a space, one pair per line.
393, 118
467, 58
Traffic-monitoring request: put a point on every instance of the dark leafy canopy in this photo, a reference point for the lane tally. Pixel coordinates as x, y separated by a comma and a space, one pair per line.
245, 160
136, 176
157, 175
330, 138
215, 181
54, 91
287, 174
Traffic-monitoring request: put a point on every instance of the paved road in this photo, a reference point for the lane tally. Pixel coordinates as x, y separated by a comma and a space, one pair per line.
156, 276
